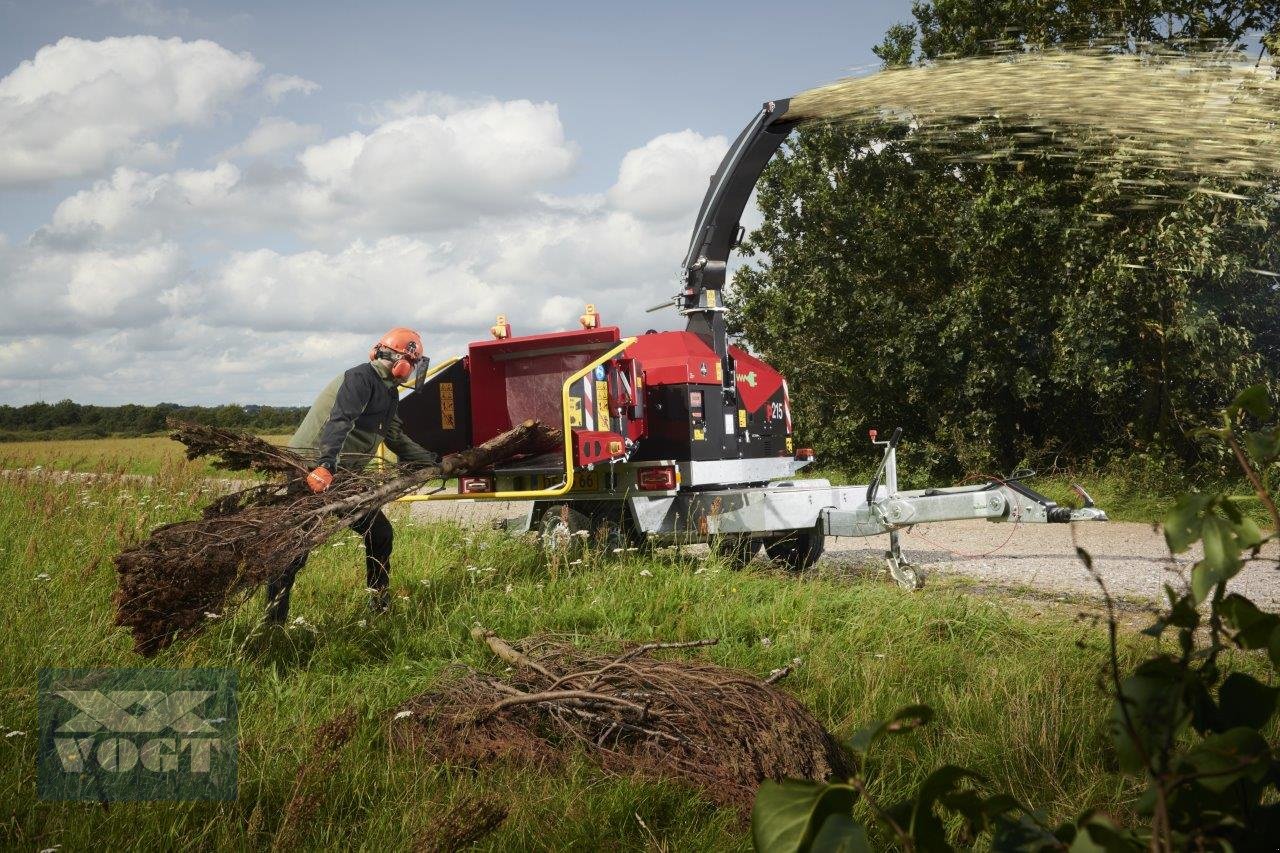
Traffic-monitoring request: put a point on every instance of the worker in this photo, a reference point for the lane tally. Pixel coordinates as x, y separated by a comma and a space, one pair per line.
351, 417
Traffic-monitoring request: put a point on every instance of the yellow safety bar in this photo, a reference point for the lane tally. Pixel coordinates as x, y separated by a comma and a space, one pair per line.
553, 491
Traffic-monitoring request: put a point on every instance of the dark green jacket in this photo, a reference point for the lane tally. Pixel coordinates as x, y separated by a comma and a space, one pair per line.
353, 415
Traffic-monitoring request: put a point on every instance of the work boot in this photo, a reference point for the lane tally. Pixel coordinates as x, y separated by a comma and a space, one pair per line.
379, 601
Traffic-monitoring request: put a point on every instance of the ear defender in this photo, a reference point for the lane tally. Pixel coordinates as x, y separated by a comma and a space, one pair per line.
402, 369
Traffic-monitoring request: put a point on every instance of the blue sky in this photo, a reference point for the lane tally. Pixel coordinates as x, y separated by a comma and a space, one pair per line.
214, 202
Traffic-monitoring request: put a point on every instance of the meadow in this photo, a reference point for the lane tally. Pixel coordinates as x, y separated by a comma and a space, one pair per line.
1015, 688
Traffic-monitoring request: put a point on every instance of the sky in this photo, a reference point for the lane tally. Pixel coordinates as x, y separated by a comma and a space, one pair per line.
216, 202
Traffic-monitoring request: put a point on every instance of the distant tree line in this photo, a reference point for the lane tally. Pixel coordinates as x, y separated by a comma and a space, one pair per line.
74, 420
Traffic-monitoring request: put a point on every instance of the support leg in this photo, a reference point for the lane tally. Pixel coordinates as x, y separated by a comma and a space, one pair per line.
903, 573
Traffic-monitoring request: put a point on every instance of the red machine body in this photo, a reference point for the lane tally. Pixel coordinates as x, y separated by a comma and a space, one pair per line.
664, 397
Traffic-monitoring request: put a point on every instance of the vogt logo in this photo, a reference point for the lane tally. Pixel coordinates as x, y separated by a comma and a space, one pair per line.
137, 734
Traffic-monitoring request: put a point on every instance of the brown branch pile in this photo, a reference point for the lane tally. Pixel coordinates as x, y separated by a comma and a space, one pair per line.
187, 573
719, 730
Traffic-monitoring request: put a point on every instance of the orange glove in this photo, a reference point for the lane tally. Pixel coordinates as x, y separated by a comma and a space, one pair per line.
319, 479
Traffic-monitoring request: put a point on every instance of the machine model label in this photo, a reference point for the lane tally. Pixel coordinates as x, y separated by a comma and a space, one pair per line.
742, 418
446, 405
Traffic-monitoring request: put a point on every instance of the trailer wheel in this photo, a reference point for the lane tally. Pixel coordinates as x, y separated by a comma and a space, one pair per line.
799, 549
564, 533
735, 549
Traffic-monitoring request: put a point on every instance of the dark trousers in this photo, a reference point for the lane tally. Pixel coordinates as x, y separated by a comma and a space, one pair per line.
378, 536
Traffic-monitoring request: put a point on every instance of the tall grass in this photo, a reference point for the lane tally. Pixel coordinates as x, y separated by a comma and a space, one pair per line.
1016, 695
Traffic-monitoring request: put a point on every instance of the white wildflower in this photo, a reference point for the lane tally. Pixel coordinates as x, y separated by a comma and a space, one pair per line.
645, 573
209, 615
765, 641
510, 588
363, 623
400, 715
16, 733
43, 576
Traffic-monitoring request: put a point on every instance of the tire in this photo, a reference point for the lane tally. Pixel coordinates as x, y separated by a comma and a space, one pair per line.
735, 549
561, 530
798, 549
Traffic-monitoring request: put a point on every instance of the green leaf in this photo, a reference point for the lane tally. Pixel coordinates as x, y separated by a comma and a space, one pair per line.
1153, 698
1182, 524
927, 829
1097, 834
787, 815
1263, 446
1221, 552
1253, 627
1221, 760
903, 720
1245, 701
1252, 400
840, 834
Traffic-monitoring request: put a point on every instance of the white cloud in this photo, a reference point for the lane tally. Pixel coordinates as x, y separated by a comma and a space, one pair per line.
417, 174
274, 135
78, 106
70, 292
439, 221
278, 86
431, 171
133, 204
668, 176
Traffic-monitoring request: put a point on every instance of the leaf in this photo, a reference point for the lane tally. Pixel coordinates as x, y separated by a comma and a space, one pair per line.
1221, 760
1095, 833
927, 829
840, 834
1152, 700
1253, 627
903, 720
1245, 701
1252, 400
787, 815
1182, 524
1263, 446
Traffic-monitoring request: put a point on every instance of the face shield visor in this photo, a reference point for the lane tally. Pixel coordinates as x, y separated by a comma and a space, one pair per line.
418, 374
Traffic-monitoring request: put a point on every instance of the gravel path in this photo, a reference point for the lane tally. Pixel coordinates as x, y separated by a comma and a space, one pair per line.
1132, 558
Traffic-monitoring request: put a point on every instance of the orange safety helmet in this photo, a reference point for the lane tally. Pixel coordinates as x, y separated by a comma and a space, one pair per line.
406, 347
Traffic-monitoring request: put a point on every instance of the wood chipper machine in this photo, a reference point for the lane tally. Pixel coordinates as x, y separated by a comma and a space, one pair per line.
680, 437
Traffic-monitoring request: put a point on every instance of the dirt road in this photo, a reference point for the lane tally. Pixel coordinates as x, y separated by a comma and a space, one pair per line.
1132, 558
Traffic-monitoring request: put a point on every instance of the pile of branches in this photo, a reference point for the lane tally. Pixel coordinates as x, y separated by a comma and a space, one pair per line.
720, 730
185, 574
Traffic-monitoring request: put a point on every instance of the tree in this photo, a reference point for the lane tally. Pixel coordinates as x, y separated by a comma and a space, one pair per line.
1008, 311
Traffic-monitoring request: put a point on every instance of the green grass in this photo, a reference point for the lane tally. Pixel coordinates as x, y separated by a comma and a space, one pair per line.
1016, 696
148, 455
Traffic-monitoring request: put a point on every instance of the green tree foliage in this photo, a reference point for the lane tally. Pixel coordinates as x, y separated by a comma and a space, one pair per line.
66, 419
1015, 310
1194, 732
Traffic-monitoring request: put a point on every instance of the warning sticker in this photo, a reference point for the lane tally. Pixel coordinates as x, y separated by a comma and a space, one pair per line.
602, 404
446, 405
699, 435
575, 411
